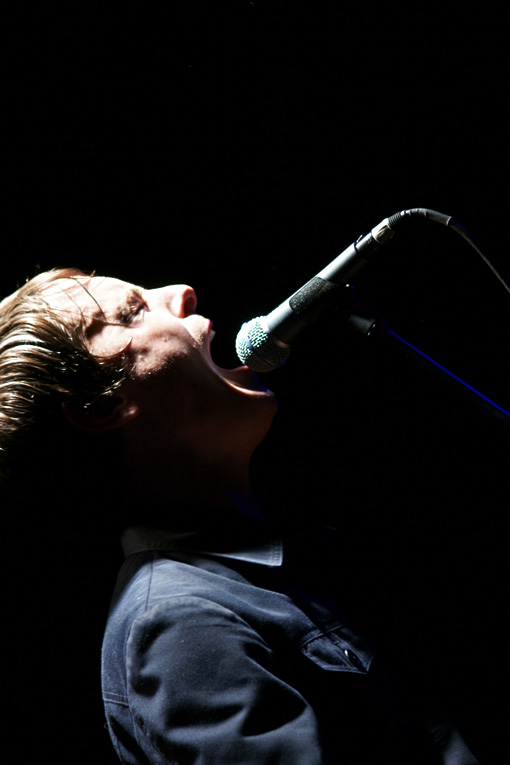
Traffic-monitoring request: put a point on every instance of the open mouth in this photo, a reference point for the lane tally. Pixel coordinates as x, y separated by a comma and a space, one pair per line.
240, 376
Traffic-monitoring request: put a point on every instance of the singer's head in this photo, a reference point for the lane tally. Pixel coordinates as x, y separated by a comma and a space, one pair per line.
102, 380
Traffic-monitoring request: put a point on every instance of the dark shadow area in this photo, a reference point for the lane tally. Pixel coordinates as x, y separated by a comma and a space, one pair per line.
239, 147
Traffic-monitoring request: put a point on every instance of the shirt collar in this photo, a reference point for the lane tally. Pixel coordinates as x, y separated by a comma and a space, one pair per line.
255, 543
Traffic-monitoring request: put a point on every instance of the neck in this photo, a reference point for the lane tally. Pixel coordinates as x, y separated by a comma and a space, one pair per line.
186, 491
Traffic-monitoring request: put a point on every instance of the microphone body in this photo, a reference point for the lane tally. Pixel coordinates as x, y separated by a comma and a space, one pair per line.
264, 342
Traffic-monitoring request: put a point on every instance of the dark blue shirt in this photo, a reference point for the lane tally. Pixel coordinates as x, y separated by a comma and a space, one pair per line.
233, 649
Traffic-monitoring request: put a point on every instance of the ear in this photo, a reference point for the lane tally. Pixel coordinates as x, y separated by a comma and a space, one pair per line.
105, 414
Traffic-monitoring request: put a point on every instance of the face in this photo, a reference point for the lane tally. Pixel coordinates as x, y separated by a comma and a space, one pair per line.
179, 390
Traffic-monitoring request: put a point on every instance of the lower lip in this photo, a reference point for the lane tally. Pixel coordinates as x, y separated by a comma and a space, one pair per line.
244, 377
242, 371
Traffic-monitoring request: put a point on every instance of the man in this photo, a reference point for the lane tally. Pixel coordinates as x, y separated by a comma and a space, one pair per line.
230, 639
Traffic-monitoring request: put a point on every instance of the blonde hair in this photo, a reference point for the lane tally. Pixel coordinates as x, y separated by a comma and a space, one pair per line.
44, 362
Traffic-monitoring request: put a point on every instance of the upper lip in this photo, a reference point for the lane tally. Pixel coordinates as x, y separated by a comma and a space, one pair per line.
210, 333
206, 336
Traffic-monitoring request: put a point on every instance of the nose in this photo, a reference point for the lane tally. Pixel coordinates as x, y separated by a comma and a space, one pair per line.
181, 299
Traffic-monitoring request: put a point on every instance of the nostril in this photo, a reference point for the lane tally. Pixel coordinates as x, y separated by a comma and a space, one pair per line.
180, 299
188, 302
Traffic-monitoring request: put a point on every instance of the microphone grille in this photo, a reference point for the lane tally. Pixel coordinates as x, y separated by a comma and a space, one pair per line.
257, 349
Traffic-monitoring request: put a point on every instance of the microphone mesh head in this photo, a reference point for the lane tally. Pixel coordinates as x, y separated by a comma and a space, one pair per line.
257, 349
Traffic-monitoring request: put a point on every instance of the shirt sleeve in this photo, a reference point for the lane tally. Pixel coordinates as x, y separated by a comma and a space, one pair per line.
203, 687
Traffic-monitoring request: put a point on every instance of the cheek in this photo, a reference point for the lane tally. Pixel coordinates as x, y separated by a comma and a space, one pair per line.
110, 341
159, 355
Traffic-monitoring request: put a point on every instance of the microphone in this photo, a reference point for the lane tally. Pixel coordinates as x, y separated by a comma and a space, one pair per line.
263, 343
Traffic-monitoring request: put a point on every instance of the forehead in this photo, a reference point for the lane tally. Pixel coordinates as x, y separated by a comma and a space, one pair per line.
89, 296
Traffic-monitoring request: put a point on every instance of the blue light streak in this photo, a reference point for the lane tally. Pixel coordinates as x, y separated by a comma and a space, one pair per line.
447, 371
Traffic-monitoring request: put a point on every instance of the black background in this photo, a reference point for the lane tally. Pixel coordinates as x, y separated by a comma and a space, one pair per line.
239, 147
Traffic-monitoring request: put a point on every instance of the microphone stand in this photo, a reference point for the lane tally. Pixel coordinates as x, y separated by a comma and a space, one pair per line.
373, 327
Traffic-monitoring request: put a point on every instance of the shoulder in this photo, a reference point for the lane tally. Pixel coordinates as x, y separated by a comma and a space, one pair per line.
153, 589
187, 626
183, 640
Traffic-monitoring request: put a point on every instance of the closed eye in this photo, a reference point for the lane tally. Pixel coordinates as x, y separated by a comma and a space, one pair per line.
133, 305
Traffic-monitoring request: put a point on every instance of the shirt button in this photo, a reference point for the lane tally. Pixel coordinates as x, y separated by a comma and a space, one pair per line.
354, 659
